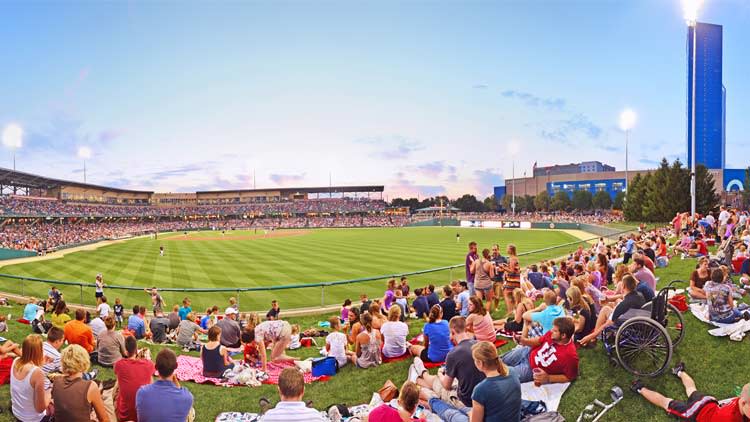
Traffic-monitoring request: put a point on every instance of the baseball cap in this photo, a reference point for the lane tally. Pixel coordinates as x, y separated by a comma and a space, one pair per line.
230, 311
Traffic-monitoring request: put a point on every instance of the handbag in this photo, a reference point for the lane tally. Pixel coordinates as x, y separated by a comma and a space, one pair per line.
388, 391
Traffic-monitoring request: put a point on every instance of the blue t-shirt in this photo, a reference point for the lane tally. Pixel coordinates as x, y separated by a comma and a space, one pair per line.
440, 340
204, 321
183, 312
136, 325
29, 312
421, 307
629, 246
162, 401
645, 290
463, 299
500, 396
547, 316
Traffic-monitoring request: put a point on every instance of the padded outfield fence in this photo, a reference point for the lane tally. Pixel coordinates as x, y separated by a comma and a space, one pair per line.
291, 296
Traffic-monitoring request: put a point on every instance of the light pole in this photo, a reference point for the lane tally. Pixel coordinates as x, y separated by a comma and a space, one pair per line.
513, 149
691, 16
627, 121
13, 139
84, 153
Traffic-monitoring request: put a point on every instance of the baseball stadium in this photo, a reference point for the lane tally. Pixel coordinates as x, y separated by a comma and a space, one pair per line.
512, 234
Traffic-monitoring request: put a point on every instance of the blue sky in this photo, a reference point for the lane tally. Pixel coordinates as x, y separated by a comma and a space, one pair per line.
421, 96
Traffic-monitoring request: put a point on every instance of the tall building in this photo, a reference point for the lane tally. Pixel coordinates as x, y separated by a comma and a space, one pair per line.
572, 168
710, 147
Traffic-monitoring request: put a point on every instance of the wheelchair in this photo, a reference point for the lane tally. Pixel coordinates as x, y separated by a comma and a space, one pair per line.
642, 341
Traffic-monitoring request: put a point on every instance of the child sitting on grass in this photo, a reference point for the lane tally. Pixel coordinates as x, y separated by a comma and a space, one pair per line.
336, 343
295, 343
250, 352
3, 324
345, 310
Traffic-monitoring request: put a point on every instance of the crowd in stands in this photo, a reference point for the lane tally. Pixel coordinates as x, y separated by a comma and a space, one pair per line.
557, 217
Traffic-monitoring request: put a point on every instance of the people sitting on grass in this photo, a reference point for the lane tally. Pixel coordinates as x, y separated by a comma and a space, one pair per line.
132, 373
459, 367
187, 333
378, 319
159, 325
214, 356
185, 309
28, 399
277, 334
250, 351
208, 320
51, 347
73, 396
390, 294
30, 311
498, 396
367, 345
698, 279
394, 334
164, 400
110, 346
230, 329
174, 318
290, 407
136, 324
545, 313
408, 400
354, 326
479, 321
420, 304
632, 299
699, 406
448, 304
77, 332
402, 303
641, 273
274, 312
60, 315
336, 342
461, 291
584, 317
514, 323
720, 301
436, 338
551, 358
96, 324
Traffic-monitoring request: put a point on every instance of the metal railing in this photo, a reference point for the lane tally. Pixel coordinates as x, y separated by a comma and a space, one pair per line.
264, 293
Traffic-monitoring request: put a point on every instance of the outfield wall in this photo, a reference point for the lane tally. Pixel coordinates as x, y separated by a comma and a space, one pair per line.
15, 253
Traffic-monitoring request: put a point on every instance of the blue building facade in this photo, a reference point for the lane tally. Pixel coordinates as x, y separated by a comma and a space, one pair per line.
611, 186
710, 146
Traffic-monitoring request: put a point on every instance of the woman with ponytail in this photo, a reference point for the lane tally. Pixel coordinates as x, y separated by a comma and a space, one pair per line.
498, 397
437, 338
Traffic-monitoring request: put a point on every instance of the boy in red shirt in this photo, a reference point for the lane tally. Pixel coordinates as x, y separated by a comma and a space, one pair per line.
699, 407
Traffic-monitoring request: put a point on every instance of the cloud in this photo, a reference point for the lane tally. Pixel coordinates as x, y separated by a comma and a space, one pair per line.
434, 169
182, 170
577, 124
649, 162
480, 86
532, 100
391, 147
486, 180
285, 179
405, 188
609, 148
64, 134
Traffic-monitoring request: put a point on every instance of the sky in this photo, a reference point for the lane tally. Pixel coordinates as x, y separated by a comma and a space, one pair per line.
423, 97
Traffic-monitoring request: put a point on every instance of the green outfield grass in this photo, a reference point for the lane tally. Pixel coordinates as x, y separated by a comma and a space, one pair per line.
246, 259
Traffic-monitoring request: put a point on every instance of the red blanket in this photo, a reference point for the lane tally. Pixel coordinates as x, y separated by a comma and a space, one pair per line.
191, 369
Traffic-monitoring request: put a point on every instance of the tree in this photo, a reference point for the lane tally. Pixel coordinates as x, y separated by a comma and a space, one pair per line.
582, 200
746, 189
520, 203
602, 200
506, 202
706, 198
529, 203
490, 203
633, 208
560, 202
619, 201
655, 207
469, 203
541, 201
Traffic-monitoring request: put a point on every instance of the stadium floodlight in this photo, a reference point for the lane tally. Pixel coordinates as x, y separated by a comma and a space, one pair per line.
690, 9
627, 121
84, 153
13, 139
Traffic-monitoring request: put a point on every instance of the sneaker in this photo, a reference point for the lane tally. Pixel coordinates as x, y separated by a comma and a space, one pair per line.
91, 375
419, 366
413, 375
746, 316
636, 386
677, 369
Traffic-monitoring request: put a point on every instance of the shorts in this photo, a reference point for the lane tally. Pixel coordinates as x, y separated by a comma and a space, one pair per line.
424, 357
486, 291
118, 318
512, 325
99, 294
511, 285
689, 410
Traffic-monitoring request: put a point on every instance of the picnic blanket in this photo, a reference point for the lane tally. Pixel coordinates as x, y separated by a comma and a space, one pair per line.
735, 331
191, 369
550, 394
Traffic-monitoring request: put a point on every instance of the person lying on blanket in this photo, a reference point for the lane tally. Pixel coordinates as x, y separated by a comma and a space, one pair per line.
551, 358
699, 407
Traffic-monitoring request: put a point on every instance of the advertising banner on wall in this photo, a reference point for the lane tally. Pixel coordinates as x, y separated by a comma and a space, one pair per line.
491, 224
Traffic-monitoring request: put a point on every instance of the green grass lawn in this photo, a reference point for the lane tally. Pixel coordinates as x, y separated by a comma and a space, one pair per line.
717, 364
210, 260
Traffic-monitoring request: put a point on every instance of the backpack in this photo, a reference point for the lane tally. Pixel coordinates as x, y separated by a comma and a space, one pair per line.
544, 417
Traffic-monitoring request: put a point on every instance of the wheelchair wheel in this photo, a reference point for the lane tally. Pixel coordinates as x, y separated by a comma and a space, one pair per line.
675, 323
643, 346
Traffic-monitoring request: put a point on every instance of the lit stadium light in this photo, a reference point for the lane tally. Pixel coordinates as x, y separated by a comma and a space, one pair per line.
13, 136
690, 9
84, 152
627, 119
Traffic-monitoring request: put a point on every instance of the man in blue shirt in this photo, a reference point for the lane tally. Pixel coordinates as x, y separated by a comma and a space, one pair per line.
421, 306
629, 249
462, 300
136, 324
164, 400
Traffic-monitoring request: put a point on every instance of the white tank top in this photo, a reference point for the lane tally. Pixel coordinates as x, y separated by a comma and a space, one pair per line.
22, 397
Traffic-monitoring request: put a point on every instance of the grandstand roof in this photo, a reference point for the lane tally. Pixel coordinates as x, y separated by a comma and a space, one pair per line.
326, 189
27, 180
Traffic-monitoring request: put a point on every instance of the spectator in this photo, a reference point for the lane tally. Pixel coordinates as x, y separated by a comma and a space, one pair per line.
136, 323
28, 400
209, 319
97, 326
631, 300
390, 294
367, 346
230, 329
364, 303
60, 316
436, 338
408, 399
537, 279
584, 318
159, 325
185, 309
720, 301
73, 396
402, 303
345, 307
103, 309
250, 352
378, 319
484, 272
336, 343
448, 304
404, 286
110, 346
432, 297
77, 332
132, 373
420, 305
462, 301
164, 400
174, 318
99, 290
355, 326
118, 312
498, 397
30, 311
469, 264
214, 356
554, 353
698, 279
277, 334
186, 333
157, 302
545, 313
394, 334
643, 274
291, 408
479, 321
55, 340
273, 313
515, 323
512, 276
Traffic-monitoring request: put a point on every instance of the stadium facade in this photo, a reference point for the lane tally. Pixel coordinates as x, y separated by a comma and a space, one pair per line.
710, 131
